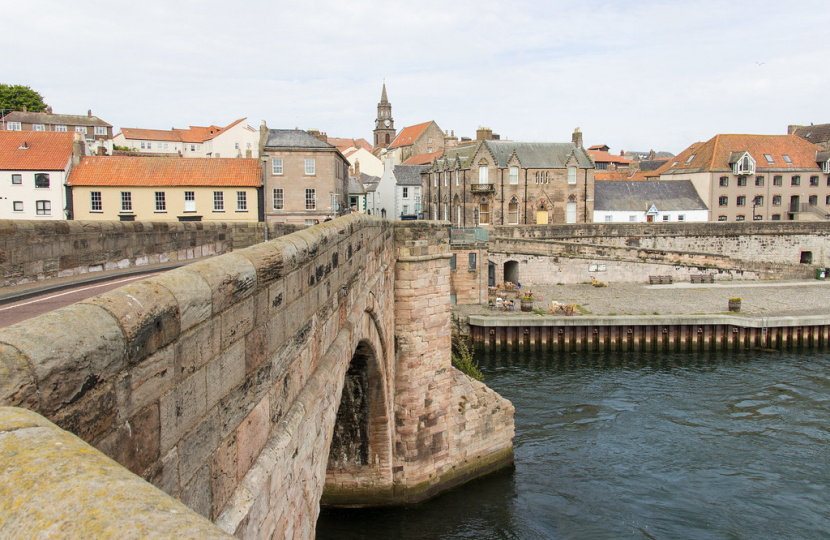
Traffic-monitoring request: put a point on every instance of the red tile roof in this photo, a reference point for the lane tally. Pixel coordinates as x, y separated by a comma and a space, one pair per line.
345, 144
422, 159
165, 171
47, 150
195, 134
611, 175
408, 135
713, 155
605, 157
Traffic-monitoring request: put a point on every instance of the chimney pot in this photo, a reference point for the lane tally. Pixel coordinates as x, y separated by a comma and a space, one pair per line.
89, 112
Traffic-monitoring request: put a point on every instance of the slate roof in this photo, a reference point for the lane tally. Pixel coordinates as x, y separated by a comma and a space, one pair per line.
47, 150
369, 182
356, 186
408, 175
463, 153
666, 195
294, 138
715, 154
822, 156
815, 134
651, 165
408, 135
538, 155
55, 119
166, 171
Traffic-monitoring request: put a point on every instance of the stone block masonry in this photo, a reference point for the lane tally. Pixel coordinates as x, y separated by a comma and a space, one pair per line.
221, 382
37, 250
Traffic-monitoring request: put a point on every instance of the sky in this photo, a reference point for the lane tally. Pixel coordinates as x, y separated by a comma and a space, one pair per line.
633, 75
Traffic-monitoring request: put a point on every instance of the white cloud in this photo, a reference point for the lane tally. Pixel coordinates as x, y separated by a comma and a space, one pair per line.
634, 75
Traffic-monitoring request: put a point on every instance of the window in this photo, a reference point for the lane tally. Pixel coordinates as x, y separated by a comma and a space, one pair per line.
405, 193
608, 218
795, 181
681, 217
757, 217
690, 159
276, 166
453, 261
38, 127
724, 181
241, 201
17, 179
827, 200
723, 201
142, 145
165, 146
777, 180
513, 212
446, 212
446, 180
14, 126
310, 166
776, 217
740, 200
17, 206
416, 192
742, 181
457, 175
483, 214
721, 218
776, 200
759, 181
126, 201
572, 176
189, 201
218, 201
666, 217
601, 166
41, 180
43, 208
60, 128
80, 129
769, 158
812, 200
758, 200
740, 217
278, 199
95, 201
514, 176
192, 147
786, 158
100, 130
632, 218
236, 146
429, 140
161, 202
472, 259
483, 173
537, 177
814, 181
429, 149
310, 198
405, 211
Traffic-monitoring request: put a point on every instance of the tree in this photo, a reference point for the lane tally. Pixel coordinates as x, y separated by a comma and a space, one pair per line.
16, 97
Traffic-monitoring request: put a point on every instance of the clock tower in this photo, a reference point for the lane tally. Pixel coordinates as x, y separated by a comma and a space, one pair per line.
384, 124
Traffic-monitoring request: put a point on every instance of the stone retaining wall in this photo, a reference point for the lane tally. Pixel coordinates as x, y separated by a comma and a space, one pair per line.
36, 250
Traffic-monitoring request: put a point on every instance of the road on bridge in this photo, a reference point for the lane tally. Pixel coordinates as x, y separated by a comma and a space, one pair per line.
51, 300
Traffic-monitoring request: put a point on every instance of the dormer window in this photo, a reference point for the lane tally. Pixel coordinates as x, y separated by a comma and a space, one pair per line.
744, 164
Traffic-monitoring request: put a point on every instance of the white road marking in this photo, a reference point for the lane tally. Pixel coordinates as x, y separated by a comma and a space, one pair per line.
73, 291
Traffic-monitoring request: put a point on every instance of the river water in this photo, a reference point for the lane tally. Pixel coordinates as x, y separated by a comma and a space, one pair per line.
658, 446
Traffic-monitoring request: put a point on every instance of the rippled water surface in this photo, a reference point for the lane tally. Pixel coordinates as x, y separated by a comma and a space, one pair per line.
647, 447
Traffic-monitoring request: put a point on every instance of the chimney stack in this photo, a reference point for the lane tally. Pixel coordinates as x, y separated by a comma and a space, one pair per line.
484, 134
577, 138
77, 149
89, 112
263, 136
357, 169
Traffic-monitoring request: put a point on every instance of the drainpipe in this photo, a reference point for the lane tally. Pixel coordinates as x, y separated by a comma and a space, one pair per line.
525, 212
585, 210
502, 196
465, 197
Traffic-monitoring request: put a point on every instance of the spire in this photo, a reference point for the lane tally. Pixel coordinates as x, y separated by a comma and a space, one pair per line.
383, 98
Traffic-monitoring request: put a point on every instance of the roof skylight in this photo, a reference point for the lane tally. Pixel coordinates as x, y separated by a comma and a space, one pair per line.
787, 158
769, 158
690, 159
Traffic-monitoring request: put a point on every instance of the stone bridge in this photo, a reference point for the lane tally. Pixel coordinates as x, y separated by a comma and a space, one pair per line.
251, 387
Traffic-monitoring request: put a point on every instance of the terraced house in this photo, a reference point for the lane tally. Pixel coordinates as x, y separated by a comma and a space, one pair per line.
96, 133
756, 177
144, 188
511, 183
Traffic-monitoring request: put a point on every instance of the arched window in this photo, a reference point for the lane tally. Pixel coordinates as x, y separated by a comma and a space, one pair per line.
387, 138
513, 212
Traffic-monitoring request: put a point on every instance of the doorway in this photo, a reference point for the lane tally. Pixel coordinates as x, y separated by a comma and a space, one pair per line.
541, 217
511, 271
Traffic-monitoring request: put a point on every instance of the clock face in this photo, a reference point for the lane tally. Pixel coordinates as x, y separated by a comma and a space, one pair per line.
387, 123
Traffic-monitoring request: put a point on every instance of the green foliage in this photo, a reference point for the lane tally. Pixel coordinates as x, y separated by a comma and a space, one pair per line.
462, 356
122, 148
16, 97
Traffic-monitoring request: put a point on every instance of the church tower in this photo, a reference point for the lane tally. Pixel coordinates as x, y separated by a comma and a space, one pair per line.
384, 124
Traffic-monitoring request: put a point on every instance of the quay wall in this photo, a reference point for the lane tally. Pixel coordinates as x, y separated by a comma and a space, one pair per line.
37, 250
649, 333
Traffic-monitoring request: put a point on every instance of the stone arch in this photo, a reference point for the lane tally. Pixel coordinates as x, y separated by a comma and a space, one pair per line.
511, 271
350, 440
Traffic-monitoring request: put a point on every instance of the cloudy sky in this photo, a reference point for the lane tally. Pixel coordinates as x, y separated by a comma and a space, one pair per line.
633, 75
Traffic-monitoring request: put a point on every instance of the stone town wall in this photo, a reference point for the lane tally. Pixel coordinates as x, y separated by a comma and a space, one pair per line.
449, 428
36, 250
217, 382
466, 282
774, 242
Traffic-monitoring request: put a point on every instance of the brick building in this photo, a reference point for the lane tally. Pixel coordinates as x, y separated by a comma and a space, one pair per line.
756, 177
306, 178
97, 133
511, 183
417, 140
